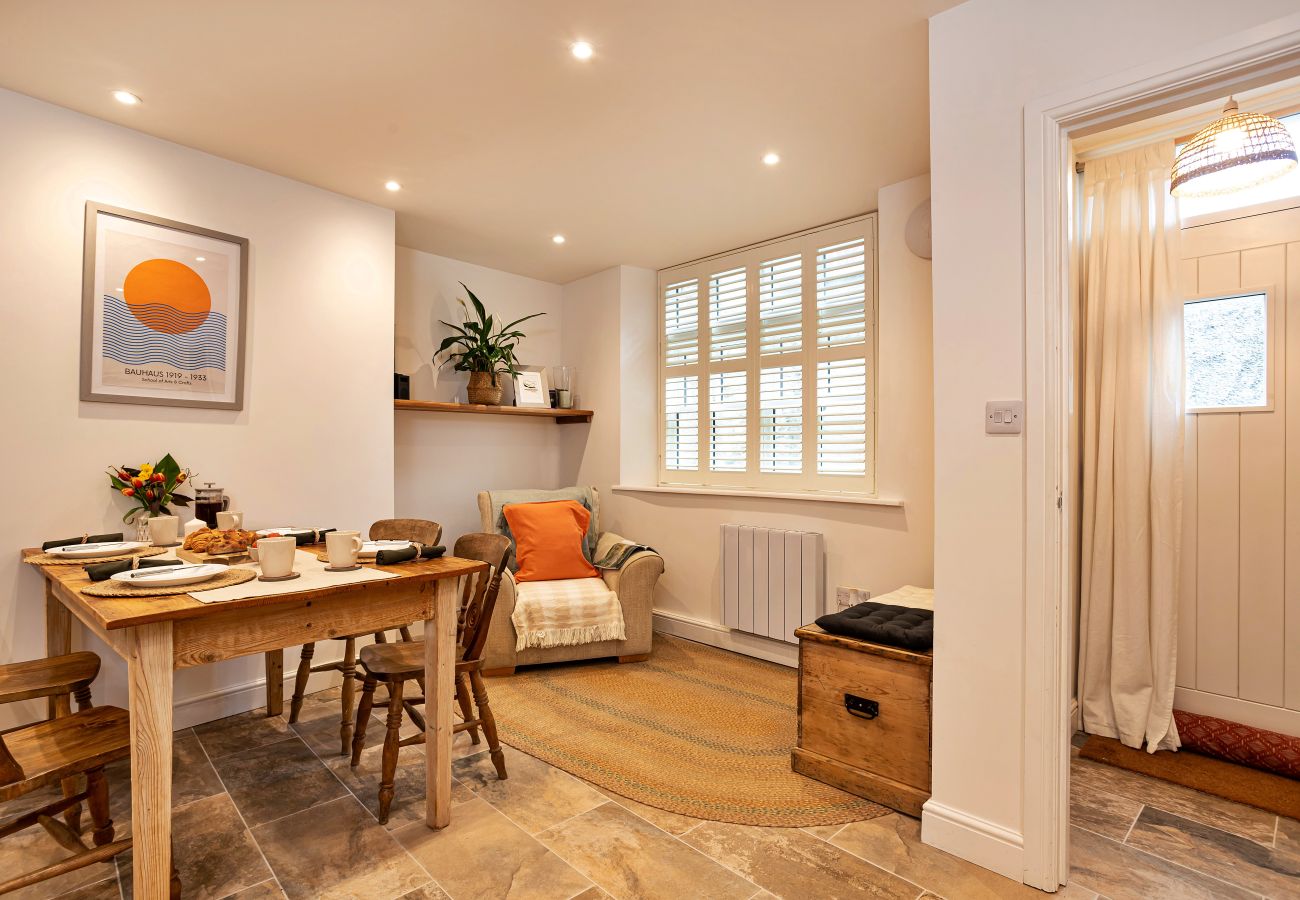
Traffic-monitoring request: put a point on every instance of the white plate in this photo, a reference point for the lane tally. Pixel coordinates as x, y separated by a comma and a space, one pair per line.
169, 576
107, 548
283, 532
372, 548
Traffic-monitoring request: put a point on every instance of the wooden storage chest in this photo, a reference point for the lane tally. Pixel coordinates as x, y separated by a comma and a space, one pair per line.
864, 718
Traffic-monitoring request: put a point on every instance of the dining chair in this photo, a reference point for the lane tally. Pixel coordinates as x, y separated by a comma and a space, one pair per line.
395, 664
61, 750
420, 530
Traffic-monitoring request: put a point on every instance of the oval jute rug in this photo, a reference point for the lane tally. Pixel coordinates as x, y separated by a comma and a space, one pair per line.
694, 730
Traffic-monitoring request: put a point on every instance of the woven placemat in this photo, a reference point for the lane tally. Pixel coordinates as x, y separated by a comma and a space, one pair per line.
111, 588
48, 559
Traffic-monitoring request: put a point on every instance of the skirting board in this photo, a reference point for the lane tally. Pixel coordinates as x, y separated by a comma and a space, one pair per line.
726, 639
974, 839
1257, 715
239, 698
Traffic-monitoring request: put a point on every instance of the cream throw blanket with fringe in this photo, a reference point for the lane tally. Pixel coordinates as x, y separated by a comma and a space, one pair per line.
565, 613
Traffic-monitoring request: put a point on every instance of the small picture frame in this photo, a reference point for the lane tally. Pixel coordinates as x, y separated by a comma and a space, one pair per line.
531, 388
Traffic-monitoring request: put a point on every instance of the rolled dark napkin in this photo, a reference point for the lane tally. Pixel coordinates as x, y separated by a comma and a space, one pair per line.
106, 570
87, 539
415, 551
312, 537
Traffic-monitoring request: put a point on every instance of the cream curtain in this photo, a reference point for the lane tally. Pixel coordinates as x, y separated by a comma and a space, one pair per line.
1132, 448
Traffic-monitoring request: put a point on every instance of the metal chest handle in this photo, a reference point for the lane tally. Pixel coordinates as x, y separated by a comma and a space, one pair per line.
861, 707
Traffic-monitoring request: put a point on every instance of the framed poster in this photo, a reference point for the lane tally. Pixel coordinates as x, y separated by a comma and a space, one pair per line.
162, 312
531, 388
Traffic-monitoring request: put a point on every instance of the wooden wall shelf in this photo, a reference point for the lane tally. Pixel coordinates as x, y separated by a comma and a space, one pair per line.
561, 416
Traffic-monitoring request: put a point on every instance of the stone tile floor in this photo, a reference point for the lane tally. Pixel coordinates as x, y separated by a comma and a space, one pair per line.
268, 810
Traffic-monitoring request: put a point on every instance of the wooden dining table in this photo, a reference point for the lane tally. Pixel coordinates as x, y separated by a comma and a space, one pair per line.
158, 635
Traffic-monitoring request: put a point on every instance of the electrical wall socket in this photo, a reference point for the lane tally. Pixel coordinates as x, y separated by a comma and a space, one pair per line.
849, 596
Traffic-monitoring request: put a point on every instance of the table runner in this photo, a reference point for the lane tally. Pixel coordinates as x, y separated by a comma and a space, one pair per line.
307, 565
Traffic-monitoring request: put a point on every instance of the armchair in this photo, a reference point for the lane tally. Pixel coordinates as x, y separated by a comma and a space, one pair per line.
634, 584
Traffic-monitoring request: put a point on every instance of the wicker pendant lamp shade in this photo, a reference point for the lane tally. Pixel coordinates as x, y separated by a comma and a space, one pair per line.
1237, 151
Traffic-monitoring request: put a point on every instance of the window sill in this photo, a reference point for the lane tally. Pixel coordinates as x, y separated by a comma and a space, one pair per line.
809, 496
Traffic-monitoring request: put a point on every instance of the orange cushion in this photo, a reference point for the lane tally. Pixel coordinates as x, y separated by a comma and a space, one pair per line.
548, 539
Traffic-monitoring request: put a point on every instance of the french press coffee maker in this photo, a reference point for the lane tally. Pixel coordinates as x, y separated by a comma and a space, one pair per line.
208, 501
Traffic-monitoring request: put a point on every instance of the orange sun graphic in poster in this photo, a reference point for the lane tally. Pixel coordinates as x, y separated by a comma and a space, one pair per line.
167, 311
167, 296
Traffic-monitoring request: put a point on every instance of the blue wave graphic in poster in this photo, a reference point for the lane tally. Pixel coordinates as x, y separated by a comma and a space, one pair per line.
132, 343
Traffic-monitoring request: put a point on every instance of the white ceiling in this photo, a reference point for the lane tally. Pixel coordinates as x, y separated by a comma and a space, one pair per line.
648, 154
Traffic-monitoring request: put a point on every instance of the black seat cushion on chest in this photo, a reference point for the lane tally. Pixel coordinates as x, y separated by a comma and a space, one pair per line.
882, 623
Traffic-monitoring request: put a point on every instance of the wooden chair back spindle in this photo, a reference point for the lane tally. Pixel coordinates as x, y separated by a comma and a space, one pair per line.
479, 616
493, 549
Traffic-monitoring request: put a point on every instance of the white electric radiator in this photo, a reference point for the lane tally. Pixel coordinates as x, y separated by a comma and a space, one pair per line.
772, 580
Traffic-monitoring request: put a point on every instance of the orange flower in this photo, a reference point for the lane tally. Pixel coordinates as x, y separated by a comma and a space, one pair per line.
128, 492
137, 482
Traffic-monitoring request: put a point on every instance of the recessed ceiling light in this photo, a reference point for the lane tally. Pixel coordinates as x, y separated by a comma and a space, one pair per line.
558, 239
392, 186
200, 259
771, 159
581, 50
126, 98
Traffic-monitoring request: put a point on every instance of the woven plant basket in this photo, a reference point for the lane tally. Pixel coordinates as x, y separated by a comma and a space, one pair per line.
484, 389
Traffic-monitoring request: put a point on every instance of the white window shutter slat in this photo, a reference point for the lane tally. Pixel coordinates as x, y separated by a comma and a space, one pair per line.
682, 424
727, 421
780, 416
727, 338
842, 417
682, 323
841, 294
780, 305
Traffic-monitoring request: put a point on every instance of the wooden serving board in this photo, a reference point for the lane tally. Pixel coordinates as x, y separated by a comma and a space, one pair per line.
223, 559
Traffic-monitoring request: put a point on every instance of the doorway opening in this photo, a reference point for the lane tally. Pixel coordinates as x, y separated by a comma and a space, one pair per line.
1054, 127
1185, 699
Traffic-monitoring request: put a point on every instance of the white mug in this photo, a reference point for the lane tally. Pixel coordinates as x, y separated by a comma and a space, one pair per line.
275, 555
229, 520
163, 530
342, 547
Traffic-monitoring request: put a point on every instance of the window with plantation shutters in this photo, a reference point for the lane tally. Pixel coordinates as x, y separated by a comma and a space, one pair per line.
768, 365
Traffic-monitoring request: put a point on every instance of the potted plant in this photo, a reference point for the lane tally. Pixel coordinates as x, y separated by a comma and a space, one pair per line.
482, 352
152, 488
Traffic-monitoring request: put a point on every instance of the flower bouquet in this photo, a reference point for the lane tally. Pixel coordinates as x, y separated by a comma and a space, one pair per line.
152, 486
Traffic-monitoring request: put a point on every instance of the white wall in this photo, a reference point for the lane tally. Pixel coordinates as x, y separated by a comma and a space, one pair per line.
877, 548
443, 459
313, 443
987, 59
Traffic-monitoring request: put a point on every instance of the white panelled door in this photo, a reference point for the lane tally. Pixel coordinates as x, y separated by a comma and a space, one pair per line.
1239, 609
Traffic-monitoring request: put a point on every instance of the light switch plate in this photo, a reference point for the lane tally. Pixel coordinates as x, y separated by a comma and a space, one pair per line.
1004, 417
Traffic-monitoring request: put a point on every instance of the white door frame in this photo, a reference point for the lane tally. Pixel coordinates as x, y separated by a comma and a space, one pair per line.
1237, 62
